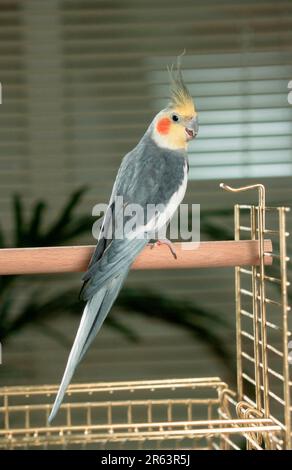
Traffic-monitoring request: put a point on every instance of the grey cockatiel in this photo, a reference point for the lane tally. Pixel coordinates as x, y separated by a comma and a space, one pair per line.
154, 172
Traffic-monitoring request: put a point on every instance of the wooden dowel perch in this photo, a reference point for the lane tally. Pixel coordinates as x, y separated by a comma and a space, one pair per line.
64, 259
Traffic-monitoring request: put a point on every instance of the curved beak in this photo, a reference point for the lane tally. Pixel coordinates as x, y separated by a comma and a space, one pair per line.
192, 128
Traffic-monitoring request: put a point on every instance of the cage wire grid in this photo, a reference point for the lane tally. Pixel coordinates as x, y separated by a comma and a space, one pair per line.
191, 413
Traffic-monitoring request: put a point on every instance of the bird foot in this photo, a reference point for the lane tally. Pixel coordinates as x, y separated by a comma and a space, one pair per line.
167, 242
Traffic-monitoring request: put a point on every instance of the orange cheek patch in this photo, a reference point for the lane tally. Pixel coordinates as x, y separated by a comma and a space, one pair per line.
163, 126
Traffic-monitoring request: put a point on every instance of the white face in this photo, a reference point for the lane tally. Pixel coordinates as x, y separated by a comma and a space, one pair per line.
173, 130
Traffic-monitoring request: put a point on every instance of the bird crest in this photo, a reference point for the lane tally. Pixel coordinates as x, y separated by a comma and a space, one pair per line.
180, 97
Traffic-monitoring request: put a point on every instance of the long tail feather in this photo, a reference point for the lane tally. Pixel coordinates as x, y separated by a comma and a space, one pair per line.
92, 319
107, 303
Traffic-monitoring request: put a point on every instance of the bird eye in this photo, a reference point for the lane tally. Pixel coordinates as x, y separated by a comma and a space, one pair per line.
175, 117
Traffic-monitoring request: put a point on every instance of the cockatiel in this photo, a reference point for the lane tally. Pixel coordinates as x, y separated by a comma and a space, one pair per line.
154, 172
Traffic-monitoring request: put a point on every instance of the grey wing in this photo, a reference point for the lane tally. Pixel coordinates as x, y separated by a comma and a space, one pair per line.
103, 243
104, 237
136, 182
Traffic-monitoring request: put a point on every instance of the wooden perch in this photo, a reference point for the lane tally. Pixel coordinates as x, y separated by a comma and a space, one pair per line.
64, 259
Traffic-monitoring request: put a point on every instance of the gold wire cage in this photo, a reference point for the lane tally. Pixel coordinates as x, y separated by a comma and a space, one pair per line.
192, 413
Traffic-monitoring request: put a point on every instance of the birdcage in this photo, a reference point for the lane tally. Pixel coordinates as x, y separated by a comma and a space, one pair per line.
191, 413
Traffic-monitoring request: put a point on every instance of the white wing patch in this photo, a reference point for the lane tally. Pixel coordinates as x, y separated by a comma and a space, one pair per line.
160, 219
174, 202
164, 217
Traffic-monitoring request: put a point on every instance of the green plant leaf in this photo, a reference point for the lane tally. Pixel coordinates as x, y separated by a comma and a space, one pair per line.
34, 233
18, 221
55, 233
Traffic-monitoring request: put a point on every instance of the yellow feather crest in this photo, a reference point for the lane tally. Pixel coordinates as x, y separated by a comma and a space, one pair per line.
180, 98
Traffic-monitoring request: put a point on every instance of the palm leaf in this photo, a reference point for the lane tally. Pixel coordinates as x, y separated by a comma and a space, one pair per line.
34, 229
56, 232
18, 221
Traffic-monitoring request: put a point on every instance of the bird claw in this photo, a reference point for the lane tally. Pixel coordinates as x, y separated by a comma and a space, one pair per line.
165, 242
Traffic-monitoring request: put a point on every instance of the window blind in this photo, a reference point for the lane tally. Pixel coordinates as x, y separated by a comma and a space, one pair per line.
14, 160
245, 117
82, 80
237, 65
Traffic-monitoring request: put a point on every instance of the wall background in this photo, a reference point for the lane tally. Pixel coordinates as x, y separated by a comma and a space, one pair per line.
76, 98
